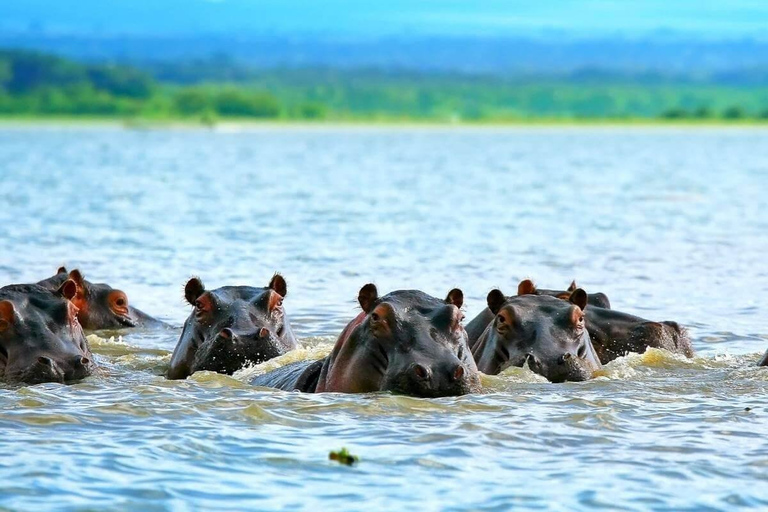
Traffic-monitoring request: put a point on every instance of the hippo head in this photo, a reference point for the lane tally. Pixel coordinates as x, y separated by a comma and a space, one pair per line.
40, 337
406, 342
99, 305
547, 333
234, 325
527, 287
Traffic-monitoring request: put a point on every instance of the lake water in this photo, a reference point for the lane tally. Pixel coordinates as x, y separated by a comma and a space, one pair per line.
672, 224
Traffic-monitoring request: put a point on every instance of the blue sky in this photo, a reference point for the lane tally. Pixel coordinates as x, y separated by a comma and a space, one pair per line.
710, 19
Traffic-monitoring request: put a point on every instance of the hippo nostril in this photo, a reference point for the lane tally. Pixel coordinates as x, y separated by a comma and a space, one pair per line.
264, 332
582, 353
566, 357
458, 373
84, 361
421, 372
226, 333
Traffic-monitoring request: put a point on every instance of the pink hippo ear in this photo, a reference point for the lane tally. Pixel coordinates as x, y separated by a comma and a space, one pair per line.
193, 290
7, 314
579, 298
572, 287
455, 297
78, 278
279, 285
526, 287
367, 297
495, 300
62, 270
68, 289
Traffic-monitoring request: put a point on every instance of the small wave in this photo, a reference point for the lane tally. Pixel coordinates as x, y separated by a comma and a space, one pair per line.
311, 349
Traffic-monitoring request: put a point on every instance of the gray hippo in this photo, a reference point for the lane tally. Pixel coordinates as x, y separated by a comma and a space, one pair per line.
230, 327
526, 287
99, 305
547, 333
615, 334
40, 336
593, 299
406, 342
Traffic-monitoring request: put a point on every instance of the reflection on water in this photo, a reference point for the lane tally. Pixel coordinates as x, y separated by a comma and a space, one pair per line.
669, 223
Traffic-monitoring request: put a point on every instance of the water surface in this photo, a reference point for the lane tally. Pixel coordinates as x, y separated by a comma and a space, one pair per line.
670, 223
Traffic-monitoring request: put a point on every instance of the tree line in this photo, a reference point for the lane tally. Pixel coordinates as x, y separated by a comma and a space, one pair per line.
37, 84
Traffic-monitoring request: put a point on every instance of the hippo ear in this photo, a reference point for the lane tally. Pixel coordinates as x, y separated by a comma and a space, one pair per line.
367, 297
78, 278
279, 285
572, 287
68, 289
526, 287
455, 297
7, 314
62, 270
496, 299
579, 298
193, 289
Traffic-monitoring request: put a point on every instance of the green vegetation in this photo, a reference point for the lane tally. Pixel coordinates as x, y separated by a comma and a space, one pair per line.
343, 457
39, 85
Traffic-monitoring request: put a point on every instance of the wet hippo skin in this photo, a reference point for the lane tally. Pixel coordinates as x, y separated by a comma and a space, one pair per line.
41, 339
405, 342
231, 327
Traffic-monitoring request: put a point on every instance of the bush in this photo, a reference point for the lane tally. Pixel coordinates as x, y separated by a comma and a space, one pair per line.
312, 111
733, 113
236, 103
675, 113
190, 102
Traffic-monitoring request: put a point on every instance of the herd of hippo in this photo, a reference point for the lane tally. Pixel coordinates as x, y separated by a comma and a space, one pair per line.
405, 342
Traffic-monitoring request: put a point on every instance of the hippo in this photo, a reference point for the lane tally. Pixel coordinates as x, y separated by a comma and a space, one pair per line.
406, 342
546, 332
615, 334
593, 299
526, 287
231, 327
99, 305
40, 336
764, 360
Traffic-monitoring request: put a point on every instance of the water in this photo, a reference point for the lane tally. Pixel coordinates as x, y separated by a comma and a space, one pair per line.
670, 223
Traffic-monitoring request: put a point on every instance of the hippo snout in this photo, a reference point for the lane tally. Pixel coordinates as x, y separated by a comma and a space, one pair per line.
449, 378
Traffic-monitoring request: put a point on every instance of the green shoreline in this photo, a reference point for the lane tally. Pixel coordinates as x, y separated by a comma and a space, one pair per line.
232, 123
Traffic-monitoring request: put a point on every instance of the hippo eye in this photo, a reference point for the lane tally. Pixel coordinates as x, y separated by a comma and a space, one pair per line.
375, 317
460, 352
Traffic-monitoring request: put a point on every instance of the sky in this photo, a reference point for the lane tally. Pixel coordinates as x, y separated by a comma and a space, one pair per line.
724, 19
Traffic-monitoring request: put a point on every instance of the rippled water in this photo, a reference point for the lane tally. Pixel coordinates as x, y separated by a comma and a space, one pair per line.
670, 223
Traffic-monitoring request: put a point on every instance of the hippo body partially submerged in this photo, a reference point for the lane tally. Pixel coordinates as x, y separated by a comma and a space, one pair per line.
231, 327
99, 305
406, 342
615, 334
598, 299
546, 333
40, 336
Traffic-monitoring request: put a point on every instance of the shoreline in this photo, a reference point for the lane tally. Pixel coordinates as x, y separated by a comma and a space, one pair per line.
251, 124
